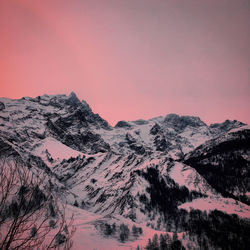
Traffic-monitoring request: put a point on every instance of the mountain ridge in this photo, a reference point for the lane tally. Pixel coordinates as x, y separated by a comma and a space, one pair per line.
74, 100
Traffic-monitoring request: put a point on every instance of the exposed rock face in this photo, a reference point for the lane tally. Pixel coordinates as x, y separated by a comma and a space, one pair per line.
2, 106
83, 140
123, 124
226, 125
155, 129
63, 117
181, 122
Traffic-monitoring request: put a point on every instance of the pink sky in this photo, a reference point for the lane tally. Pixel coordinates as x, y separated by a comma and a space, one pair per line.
131, 59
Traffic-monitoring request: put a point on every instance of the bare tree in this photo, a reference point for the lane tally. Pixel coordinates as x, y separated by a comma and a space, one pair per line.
30, 214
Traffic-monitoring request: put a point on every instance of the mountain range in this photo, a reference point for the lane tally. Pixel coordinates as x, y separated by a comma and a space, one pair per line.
167, 175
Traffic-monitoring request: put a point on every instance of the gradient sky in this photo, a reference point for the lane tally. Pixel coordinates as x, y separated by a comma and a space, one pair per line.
131, 59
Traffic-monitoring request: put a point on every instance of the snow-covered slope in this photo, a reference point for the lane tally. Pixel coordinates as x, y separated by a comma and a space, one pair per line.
54, 150
89, 235
227, 205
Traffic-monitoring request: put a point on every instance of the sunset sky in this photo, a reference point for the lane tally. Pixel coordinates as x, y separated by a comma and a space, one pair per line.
131, 59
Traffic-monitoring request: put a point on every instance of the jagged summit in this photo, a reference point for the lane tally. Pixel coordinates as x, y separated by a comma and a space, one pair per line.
57, 100
73, 99
62, 117
228, 125
183, 121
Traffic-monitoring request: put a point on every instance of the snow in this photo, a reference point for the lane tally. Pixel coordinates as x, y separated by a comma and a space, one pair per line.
240, 129
87, 236
226, 205
56, 149
145, 134
187, 176
190, 178
198, 137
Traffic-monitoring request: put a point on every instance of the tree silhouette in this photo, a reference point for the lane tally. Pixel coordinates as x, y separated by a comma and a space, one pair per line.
30, 214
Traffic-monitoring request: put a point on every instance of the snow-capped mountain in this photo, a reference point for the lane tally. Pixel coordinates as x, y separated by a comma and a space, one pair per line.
144, 171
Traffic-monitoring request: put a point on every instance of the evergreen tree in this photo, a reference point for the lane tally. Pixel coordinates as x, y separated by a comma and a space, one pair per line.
149, 246
135, 231
114, 227
107, 229
155, 242
175, 236
168, 239
124, 232
163, 243
176, 245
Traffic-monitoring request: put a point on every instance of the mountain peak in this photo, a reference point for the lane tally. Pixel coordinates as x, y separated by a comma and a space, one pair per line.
72, 94
180, 122
73, 100
227, 125
122, 124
